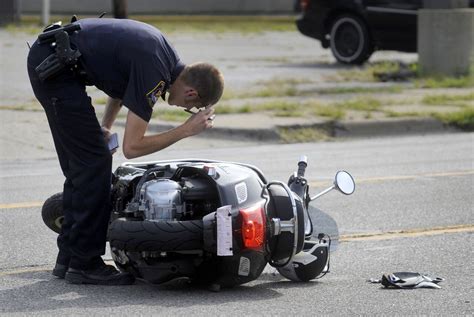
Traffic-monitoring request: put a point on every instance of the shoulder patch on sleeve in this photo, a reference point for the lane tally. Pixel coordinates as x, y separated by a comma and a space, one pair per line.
153, 95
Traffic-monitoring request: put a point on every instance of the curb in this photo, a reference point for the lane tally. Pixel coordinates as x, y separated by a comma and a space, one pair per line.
384, 128
332, 129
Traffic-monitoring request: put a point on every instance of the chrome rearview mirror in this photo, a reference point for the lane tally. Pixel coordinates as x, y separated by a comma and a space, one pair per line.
343, 182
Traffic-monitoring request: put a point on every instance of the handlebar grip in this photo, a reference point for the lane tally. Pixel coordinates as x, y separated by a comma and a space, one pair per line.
302, 164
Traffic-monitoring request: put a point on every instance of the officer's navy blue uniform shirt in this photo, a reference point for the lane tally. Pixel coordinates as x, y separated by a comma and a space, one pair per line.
128, 60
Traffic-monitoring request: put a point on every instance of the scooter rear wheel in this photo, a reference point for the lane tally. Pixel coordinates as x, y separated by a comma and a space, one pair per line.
52, 212
164, 235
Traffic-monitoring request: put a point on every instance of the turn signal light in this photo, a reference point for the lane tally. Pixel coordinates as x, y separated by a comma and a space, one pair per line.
253, 227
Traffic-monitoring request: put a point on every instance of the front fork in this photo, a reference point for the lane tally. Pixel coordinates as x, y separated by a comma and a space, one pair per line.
299, 185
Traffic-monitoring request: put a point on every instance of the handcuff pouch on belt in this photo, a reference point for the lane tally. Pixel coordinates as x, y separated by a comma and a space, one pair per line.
64, 56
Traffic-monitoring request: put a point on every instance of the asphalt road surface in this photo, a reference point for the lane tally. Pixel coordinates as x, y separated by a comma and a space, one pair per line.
412, 211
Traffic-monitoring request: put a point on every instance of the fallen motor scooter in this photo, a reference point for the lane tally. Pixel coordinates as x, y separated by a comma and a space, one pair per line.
216, 223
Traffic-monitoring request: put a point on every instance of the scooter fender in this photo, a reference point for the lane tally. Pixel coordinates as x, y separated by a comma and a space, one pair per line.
244, 265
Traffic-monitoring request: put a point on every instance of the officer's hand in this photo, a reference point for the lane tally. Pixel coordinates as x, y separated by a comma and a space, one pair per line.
200, 121
107, 134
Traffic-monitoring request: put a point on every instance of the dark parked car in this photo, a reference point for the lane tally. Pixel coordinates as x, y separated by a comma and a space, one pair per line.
355, 28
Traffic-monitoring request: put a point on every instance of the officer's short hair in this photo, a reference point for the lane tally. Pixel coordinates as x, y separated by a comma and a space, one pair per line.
207, 80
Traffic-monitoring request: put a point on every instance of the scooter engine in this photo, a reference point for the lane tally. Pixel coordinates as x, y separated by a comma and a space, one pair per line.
161, 199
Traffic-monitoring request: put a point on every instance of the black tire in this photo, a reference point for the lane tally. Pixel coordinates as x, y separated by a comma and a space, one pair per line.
350, 40
52, 212
280, 206
156, 235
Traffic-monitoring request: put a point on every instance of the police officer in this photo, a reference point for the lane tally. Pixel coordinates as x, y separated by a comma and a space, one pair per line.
134, 64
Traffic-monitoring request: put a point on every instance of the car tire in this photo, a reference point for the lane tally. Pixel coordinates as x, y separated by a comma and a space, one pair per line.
52, 212
350, 40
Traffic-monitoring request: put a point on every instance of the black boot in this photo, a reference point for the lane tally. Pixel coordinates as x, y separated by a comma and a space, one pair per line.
101, 275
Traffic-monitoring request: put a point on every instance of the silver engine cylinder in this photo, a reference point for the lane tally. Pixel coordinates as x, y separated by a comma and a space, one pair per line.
161, 199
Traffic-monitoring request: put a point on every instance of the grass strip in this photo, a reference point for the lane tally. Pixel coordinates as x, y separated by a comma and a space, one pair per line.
463, 119
445, 99
388, 71
359, 90
445, 82
360, 104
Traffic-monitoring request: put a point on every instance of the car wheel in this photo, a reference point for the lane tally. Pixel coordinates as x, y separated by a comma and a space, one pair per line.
350, 40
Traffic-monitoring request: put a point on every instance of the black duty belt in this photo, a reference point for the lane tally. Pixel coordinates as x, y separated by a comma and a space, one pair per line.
64, 56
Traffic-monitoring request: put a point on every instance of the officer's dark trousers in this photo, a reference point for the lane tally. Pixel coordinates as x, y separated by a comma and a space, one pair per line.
84, 158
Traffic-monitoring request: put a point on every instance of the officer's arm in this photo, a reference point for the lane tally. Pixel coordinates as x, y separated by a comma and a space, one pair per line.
136, 144
112, 108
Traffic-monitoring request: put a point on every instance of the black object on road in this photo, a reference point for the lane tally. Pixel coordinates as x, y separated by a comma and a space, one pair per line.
407, 280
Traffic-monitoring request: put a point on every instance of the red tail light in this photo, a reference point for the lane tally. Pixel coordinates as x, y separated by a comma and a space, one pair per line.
253, 227
304, 4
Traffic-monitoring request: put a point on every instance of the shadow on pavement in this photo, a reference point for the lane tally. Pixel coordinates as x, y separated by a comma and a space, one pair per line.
41, 292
